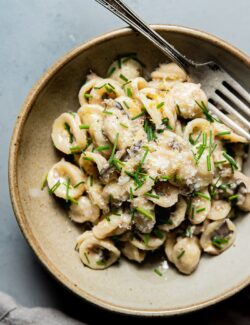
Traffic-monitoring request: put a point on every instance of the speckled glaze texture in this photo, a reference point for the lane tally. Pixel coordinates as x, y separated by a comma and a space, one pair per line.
125, 287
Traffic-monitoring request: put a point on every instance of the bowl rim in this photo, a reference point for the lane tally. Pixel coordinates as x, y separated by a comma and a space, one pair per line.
13, 181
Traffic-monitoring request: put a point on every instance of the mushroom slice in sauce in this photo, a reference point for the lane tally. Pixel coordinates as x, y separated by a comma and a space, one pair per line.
132, 252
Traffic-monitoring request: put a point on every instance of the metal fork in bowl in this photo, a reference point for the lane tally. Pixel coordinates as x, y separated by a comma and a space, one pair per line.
222, 90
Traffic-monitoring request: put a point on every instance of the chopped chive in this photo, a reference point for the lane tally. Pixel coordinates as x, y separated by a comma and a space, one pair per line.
83, 126
139, 115
192, 212
204, 139
107, 112
220, 162
111, 71
67, 128
209, 167
158, 272
233, 197
126, 83
145, 213
181, 254
146, 239
100, 86
86, 256
160, 105
78, 184
75, 149
223, 133
129, 92
126, 104
101, 262
131, 193
72, 200
67, 188
194, 141
88, 158
158, 233
152, 195
205, 111
231, 161
119, 161
200, 210
178, 109
219, 241
124, 125
54, 187
119, 62
111, 86
130, 174
87, 96
44, 183
121, 76
149, 130
166, 178
202, 195
165, 121
113, 149
91, 180
102, 148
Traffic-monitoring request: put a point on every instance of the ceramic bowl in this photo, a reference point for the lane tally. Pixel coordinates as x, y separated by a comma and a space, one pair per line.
124, 287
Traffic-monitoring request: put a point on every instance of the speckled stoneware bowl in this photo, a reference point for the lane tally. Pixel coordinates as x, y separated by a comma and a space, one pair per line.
124, 287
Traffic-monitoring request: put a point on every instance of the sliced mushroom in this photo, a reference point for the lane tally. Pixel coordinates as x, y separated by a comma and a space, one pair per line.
149, 242
67, 135
186, 254
66, 181
84, 211
144, 215
176, 217
168, 194
98, 254
200, 207
219, 210
243, 199
218, 236
132, 252
113, 225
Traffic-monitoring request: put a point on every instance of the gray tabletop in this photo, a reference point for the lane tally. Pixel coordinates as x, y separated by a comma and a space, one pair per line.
33, 34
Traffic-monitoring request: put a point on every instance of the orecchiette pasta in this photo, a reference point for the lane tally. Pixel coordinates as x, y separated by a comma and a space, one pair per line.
148, 167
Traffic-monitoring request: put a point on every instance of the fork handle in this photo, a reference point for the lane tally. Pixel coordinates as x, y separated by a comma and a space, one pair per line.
122, 11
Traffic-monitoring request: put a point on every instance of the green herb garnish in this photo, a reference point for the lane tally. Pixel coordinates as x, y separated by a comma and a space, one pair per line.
181, 254
113, 149
121, 76
54, 187
86, 256
158, 272
146, 213
84, 127
78, 184
67, 128
129, 92
151, 195
223, 133
231, 161
111, 71
219, 241
102, 148
87, 96
139, 115
160, 105
205, 111
44, 183
200, 210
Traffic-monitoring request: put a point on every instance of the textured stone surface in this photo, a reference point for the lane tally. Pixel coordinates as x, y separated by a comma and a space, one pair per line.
33, 34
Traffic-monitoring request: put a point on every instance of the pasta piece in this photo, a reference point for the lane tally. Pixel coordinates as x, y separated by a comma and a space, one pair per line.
116, 192
195, 129
243, 195
98, 254
144, 215
225, 133
169, 245
84, 211
200, 207
92, 117
105, 88
67, 135
92, 158
133, 253
219, 210
95, 192
218, 236
113, 225
84, 93
168, 195
176, 217
186, 254
149, 242
124, 69
131, 106
188, 96
66, 181
169, 71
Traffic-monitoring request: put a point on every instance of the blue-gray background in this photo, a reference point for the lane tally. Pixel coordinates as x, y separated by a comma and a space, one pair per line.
33, 34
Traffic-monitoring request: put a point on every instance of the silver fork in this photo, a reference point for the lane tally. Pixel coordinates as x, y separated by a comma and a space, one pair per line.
222, 90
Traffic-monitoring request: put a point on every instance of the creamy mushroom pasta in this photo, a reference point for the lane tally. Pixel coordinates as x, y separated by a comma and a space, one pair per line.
147, 167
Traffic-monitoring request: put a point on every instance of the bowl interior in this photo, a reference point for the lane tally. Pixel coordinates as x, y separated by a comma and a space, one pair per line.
124, 287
